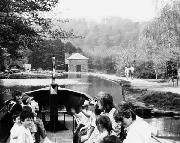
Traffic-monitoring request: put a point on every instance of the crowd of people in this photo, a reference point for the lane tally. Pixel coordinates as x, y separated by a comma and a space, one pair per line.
100, 121
27, 127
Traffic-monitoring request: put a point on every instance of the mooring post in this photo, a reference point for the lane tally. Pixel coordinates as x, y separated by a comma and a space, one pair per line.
53, 99
53, 69
122, 91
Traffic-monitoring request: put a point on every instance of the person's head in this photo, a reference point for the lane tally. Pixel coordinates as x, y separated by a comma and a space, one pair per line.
26, 118
27, 108
118, 117
126, 117
16, 117
91, 105
106, 102
97, 111
103, 122
126, 105
125, 113
111, 139
17, 95
86, 104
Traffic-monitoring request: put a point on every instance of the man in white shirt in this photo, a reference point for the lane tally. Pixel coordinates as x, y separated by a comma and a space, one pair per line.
137, 130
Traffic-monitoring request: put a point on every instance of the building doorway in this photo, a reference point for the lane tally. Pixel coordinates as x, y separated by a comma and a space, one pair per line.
78, 68
66, 67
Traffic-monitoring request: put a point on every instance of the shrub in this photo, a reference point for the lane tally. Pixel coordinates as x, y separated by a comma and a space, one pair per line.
162, 100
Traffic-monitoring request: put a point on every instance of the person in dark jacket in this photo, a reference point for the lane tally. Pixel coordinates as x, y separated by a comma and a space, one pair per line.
16, 103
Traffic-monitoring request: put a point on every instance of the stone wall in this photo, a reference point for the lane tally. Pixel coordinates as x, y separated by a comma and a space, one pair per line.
73, 65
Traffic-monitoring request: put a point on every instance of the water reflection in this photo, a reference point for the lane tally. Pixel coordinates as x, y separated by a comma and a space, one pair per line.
89, 85
167, 126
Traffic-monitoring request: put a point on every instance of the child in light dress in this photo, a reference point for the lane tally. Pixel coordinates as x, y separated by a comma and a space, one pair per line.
25, 135
14, 132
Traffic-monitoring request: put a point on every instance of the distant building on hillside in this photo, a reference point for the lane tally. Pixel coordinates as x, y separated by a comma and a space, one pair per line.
76, 63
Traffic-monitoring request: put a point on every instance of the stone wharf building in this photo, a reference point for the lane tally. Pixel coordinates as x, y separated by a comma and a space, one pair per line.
77, 63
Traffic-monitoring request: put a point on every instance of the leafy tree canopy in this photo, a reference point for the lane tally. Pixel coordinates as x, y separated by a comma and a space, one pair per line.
18, 18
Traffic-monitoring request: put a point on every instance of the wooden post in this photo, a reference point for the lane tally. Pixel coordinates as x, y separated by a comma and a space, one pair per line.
53, 106
122, 91
53, 100
177, 69
53, 69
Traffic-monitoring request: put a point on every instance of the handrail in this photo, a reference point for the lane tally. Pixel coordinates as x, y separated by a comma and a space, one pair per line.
5, 105
1, 110
155, 138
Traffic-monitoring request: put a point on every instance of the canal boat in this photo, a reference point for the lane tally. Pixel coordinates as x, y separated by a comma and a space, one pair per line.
64, 101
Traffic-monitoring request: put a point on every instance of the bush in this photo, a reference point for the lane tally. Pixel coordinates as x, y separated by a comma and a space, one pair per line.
162, 100
145, 70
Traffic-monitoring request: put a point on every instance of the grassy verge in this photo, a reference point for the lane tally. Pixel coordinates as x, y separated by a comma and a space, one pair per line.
160, 100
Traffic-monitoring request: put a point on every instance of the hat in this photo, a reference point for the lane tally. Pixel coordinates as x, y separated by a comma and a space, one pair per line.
29, 99
86, 103
24, 99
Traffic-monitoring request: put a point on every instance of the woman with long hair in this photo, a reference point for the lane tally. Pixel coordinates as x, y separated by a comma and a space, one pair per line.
106, 105
104, 127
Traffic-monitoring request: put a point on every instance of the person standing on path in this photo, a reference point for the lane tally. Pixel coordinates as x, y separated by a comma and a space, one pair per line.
131, 72
126, 70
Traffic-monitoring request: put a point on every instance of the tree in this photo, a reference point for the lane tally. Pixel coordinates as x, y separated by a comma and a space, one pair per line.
41, 56
163, 36
17, 18
70, 48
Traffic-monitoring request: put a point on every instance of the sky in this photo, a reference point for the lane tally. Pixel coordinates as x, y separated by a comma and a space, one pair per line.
136, 10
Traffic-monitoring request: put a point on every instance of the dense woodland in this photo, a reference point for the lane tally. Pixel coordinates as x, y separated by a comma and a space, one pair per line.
152, 47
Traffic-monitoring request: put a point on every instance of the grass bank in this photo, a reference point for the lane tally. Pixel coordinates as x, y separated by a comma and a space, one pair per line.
160, 100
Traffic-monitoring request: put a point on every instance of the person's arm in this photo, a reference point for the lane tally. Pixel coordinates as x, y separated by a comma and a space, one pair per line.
22, 138
13, 133
41, 128
86, 113
90, 131
85, 127
87, 136
36, 106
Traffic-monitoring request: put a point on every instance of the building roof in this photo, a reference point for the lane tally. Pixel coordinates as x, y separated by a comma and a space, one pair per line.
77, 56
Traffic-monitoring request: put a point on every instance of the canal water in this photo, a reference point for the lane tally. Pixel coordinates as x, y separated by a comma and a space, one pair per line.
168, 127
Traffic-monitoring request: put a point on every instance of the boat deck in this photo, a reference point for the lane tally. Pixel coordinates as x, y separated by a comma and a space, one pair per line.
63, 136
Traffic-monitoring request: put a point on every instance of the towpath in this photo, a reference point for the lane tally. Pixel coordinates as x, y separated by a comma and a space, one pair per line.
154, 85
